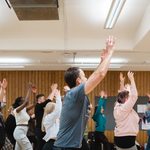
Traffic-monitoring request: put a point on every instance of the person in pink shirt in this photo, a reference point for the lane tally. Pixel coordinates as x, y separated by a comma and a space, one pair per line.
126, 119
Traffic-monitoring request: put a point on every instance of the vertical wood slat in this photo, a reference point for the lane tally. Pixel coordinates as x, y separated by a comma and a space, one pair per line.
17, 85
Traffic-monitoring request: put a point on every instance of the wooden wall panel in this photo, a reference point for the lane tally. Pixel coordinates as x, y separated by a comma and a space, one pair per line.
17, 85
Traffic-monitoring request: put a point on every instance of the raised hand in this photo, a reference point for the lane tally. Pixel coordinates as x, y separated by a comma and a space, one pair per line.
109, 47
122, 78
4, 84
110, 42
54, 86
34, 89
130, 75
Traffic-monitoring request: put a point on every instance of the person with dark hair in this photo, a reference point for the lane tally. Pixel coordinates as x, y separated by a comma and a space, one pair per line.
31, 129
100, 120
39, 111
4, 141
10, 122
127, 120
75, 110
22, 118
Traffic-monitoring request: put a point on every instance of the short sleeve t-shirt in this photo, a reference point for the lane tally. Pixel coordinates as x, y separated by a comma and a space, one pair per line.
73, 120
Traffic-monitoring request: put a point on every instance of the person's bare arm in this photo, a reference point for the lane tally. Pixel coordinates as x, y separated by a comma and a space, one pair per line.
98, 75
122, 79
53, 88
18, 109
3, 86
34, 91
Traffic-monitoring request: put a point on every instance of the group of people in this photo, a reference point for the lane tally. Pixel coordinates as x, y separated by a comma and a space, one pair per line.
60, 126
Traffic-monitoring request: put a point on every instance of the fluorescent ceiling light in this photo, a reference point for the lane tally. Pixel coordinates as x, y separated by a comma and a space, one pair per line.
87, 60
118, 60
13, 60
11, 67
114, 13
115, 66
94, 66
97, 60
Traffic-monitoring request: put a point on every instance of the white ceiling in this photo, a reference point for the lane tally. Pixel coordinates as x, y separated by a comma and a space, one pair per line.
79, 33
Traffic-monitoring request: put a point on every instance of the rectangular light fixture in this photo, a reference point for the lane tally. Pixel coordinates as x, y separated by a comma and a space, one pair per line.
11, 67
114, 13
94, 66
96, 60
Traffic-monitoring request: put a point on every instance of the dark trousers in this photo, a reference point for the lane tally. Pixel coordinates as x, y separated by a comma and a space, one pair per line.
49, 145
39, 136
101, 138
84, 145
32, 140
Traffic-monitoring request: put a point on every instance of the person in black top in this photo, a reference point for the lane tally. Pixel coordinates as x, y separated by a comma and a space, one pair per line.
39, 111
31, 129
10, 122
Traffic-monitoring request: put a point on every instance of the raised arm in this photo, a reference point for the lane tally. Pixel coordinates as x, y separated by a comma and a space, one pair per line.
98, 110
53, 88
22, 106
101, 105
3, 86
34, 91
133, 85
3, 103
58, 106
50, 119
133, 94
122, 80
98, 75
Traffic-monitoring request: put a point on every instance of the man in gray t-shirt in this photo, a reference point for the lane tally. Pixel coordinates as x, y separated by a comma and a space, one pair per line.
74, 115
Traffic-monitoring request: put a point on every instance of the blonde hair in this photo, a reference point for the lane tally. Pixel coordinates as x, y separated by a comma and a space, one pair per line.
49, 108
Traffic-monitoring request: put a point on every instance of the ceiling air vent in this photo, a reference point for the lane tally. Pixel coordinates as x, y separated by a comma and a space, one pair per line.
36, 9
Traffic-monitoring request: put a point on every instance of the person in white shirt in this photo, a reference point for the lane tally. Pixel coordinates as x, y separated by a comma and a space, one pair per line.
22, 118
50, 123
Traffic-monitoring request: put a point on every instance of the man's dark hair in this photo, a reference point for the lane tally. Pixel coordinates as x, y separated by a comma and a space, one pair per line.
71, 76
39, 96
121, 97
